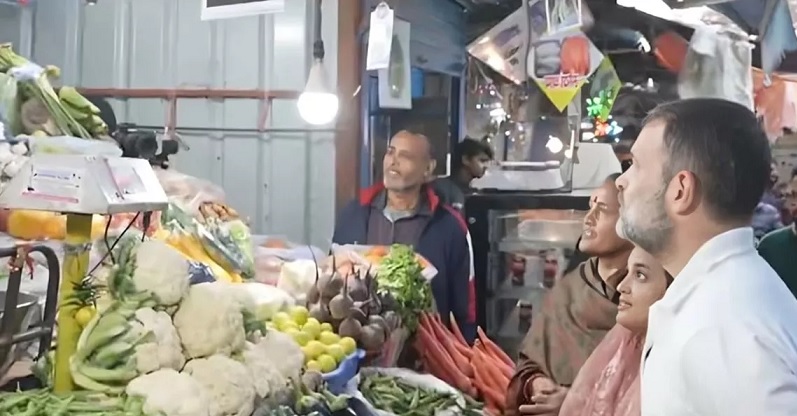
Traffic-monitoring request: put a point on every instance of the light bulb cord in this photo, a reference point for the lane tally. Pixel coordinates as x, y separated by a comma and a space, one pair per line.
318, 43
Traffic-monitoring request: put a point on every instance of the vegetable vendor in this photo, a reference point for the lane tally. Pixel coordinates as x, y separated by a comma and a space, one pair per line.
403, 209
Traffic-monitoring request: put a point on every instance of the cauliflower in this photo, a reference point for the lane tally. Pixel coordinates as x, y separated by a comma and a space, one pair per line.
267, 380
169, 393
165, 351
120, 344
284, 354
162, 271
229, 384
209, 321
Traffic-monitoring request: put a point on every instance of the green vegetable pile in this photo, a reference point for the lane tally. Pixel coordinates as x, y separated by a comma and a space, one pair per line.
46, 403
400, 398
399, 277
106, 357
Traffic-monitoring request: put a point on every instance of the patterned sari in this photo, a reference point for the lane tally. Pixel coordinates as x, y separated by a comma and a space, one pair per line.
575, 316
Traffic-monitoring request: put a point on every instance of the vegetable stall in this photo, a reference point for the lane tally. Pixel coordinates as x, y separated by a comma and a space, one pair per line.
185, 313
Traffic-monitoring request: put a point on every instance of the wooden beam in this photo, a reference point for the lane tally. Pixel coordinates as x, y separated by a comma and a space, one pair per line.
172, 93
347, 137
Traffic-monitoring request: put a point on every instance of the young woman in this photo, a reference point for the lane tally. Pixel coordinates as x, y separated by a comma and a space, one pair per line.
578, 312
608, 383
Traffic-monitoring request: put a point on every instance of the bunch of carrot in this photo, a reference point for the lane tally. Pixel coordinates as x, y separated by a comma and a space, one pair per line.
482, 371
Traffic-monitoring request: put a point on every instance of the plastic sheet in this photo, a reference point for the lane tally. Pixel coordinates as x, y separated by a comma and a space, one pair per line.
372, 255
188, 191
66, 145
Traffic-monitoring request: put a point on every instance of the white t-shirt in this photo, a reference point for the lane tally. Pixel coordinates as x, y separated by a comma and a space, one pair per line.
723, 339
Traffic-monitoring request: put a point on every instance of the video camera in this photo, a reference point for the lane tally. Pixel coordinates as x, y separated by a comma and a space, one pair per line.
144, 144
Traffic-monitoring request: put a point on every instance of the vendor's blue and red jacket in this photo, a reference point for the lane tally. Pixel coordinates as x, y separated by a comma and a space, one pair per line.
441, 238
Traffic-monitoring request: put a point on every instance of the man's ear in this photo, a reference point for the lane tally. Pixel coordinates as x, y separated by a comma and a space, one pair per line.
430, 169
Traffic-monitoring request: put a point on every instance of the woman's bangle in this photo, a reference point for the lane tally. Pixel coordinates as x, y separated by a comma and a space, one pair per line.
528, 390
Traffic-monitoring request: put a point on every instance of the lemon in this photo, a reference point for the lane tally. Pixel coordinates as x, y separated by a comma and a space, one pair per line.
308, 354
301, 337
328, 363
327, 327
336, 351
312, 327
329, 338
315, 348
281, 317
84, 315
348, 344
286, 326
313, 365
299, 314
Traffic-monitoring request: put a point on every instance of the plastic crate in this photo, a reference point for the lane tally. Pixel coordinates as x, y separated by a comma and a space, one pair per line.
348, 368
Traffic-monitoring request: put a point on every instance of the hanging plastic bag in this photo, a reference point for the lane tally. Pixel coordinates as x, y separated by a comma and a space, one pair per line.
188, 191
9, 106
66, 145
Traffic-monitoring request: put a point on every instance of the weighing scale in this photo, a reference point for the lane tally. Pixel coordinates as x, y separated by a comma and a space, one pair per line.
80, 187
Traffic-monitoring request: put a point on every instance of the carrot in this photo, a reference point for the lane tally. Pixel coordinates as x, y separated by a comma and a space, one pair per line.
494, 349
444, 360
448, 339
503, 368
483, 384
455, 328
491, 374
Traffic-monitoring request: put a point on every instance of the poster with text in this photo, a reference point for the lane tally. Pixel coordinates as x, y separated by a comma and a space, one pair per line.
228, 9
561, 63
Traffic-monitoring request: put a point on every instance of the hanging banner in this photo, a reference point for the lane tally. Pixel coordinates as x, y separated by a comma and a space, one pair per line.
227, 9
561, 63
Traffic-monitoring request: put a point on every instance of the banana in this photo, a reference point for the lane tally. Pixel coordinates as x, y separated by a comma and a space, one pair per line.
70, 97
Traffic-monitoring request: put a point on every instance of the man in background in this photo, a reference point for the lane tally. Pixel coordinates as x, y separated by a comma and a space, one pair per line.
722, 340
404, 209
468, 162
779, 247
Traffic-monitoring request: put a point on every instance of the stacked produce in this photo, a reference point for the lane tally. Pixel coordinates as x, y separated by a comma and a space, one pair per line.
482, 371
399, 397
226, 238
37, 109
323, 349
197, 242
159, 345
345, 296
45, 403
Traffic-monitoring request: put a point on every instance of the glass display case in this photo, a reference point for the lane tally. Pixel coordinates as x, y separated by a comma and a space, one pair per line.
522, 243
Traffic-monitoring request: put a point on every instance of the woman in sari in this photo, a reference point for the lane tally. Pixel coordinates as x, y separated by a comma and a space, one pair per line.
580, 309
608, 383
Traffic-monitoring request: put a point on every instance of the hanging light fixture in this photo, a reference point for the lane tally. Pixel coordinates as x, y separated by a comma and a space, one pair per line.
318, 104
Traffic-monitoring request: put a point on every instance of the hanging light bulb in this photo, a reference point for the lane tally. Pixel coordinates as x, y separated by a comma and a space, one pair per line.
317, 105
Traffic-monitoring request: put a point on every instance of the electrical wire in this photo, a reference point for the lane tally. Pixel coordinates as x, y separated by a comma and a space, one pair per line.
110, 247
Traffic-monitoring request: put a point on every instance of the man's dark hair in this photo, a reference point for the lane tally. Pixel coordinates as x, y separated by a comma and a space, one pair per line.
794, 172
470, 148
723, 145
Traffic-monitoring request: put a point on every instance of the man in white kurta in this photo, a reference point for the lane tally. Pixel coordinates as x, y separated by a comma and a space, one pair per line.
723, 339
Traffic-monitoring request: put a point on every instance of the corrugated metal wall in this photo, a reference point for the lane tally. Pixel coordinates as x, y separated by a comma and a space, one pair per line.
283, 181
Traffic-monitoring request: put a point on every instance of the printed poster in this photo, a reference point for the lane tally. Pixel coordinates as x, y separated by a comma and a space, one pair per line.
561, 63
